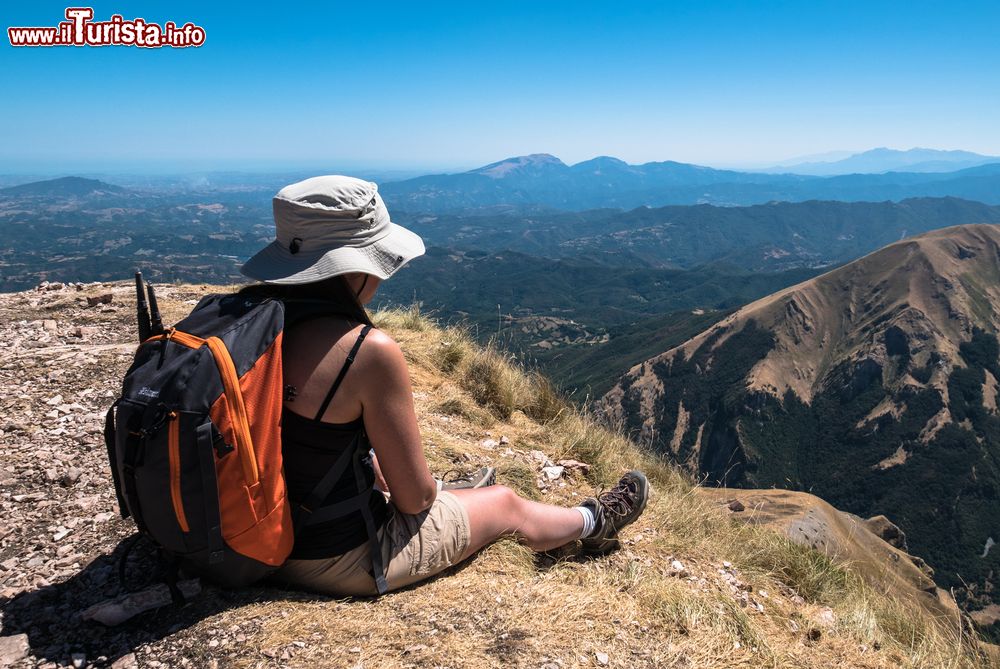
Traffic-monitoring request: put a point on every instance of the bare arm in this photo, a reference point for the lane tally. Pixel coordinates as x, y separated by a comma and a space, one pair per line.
379, 478
391, 423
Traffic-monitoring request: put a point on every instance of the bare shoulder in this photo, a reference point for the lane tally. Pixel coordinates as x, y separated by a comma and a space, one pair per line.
322, 335
381, 353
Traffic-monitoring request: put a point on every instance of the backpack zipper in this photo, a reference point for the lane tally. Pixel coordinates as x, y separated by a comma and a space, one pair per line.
174, 448
234, 396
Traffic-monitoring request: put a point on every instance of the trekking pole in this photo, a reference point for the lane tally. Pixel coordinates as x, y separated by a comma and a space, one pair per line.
156, 327
142, 310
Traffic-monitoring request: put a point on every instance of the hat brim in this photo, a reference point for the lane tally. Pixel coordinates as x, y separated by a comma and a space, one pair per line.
275, 263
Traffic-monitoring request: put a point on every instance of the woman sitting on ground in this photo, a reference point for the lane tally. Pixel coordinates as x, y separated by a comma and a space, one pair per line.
344, 433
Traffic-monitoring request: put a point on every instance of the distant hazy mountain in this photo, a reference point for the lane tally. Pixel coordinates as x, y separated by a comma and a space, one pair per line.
874, 385
878, 161
769, 237
62, 187
825, 157
544, 180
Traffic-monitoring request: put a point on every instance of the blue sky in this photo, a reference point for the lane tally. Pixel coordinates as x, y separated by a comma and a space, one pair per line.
449, 85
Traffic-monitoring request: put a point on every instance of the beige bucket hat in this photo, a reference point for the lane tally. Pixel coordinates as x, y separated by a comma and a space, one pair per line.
332, 225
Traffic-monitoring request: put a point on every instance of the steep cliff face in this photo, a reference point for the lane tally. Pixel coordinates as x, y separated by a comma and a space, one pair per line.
873, 386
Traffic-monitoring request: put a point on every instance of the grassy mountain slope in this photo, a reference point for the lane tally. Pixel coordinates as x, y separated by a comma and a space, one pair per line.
740, 595
872, 386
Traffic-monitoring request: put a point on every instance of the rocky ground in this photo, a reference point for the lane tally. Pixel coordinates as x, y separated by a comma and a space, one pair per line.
63, 351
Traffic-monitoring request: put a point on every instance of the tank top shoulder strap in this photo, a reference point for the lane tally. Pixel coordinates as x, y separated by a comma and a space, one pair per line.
343, 372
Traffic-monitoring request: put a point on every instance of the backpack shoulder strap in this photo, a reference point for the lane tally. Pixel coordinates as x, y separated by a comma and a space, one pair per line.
343, 372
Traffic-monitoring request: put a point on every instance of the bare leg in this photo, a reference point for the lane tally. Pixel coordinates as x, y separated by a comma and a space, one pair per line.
498, 511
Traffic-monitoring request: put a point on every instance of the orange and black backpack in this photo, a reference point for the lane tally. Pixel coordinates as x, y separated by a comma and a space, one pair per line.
194, 440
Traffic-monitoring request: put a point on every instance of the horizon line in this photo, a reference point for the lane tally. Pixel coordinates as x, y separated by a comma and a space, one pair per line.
264, 166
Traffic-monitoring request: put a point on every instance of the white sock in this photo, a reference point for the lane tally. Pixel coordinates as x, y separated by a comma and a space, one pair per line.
589, 522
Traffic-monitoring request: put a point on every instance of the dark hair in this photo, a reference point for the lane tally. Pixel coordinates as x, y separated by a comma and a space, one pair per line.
335, 291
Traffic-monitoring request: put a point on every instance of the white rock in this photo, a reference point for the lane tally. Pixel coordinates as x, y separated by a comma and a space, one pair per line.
79, 660
125, 662
826, 616
554, 472
575, 465
602, 659
540, 458
13, 649
117, 611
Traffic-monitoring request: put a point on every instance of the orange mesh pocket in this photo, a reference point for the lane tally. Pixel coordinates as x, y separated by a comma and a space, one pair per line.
256, 521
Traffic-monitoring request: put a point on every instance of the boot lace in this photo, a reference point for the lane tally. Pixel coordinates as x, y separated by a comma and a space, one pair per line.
619, 500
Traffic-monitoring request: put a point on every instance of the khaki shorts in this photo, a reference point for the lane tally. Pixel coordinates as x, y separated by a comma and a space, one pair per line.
413, 548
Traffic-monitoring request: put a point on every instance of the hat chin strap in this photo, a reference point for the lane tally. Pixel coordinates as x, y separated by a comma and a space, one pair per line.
362, 288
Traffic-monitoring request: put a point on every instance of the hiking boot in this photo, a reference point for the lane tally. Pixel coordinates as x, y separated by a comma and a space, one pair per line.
615, 509
486, 476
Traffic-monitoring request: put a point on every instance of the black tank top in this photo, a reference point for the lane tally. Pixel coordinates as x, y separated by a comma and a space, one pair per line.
310, 448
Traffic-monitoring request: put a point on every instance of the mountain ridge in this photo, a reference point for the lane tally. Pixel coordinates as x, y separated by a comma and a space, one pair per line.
883, 159
872, 385
811, 296
544, 180
69, 186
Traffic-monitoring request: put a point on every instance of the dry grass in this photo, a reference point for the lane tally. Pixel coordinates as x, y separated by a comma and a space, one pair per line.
508, 607
493, 382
